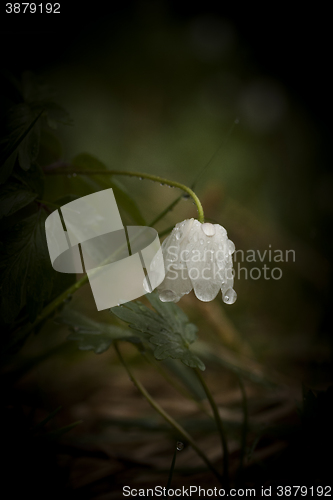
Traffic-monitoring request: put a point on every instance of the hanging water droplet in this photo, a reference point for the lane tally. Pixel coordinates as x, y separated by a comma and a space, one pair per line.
167, 296
230, 296
208, 229
180, 446
186, 196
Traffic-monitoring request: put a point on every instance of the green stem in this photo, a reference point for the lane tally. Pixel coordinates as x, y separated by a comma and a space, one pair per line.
184, 392
171, 472
165, 211
219, 426
180, 430
48, 203
155, 178
245, 427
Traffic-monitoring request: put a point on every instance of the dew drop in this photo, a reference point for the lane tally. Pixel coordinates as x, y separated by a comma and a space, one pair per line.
230, 296
231, 247
141, 178
179, 234
186, 196
201, 241
167, 296
180, 446
208, 229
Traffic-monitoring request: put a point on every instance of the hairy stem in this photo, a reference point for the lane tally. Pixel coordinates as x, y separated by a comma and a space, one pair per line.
219, 426
155, 178
180, 430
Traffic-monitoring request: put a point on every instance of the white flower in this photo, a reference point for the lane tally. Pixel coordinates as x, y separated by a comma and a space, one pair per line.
197, 256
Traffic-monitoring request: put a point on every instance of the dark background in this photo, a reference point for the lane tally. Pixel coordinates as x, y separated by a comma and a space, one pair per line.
266, 187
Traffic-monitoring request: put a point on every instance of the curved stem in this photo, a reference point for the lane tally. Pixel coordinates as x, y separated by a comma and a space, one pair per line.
155, 178
180, 430
219, 426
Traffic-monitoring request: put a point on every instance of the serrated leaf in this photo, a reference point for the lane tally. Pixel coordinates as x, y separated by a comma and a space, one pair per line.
92, 335
26, 271
13, 197
167, 328
124, 200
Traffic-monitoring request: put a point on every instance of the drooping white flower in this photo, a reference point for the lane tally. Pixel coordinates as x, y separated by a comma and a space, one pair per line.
197, 256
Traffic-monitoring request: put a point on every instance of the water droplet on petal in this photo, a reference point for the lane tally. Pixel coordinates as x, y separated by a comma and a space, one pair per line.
180, 446
167, 296
230, 296
195, 237
201, 241
208, 229
231, 247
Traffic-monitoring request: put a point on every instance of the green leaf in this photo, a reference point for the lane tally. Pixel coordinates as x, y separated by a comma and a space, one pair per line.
57, 433
13, 197
229, 360
33, 179
26, 271
55, 114
187, 376
50, 148
22, 140
167, 328
124, 200
92, 335
42, 424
